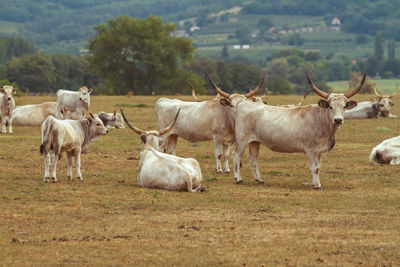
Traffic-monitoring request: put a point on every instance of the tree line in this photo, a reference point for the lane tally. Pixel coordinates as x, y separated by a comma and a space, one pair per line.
143, 56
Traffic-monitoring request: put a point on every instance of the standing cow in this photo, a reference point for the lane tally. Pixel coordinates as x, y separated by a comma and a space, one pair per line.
199, 121
7, 105
73, 102
307, 129
71, 136
33, 115
164, 171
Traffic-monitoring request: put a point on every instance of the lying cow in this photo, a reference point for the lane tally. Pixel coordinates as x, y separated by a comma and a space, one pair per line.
70, 101
199, 121
364, 110
164, 171
33, 115
71, 136
7, 105
307, 129
387, 152
386, 102
111, 120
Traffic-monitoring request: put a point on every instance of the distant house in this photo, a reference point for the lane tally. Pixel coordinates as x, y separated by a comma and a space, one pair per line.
246, 46
335, 22
236, 47
194, 28
180, 33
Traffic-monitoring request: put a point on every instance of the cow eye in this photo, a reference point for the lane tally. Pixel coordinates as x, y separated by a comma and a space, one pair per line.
98, 124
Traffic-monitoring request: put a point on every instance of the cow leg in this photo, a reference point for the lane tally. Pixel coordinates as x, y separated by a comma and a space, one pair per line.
395, 161
69, 165
47, 164
254, 149
54, 160
172, 140
237, 156
315, 162
226, 150
218, 153
3, 125
10, 130
78, 165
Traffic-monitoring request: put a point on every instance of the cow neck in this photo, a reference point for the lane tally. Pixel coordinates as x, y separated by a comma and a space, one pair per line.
325, 121
88, 137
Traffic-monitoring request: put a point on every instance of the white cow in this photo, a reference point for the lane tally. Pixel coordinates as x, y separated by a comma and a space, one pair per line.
111, 120
199, 121
386, 102
33, 115
71, 136
7, 105
307, 129
164, 171
387, 152
74, 102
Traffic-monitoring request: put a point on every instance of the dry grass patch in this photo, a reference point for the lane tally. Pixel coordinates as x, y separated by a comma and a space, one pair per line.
109, 219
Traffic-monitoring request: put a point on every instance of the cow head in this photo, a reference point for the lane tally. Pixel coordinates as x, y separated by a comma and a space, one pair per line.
116, 120
96, 126
8, 92
385, 102
336, 104
151, 138
85, 94
232, 99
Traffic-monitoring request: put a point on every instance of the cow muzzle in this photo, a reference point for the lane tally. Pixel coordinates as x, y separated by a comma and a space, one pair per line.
9, 98
338, 120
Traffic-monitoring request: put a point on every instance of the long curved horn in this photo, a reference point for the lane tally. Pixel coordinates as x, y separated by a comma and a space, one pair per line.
163, 131
219, 91
252, 93
133, 128
356, 90
303, 99
376, 91
315, 89
193, 92
395, 92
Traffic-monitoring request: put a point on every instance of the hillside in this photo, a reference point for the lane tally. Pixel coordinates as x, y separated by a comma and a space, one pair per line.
63, 26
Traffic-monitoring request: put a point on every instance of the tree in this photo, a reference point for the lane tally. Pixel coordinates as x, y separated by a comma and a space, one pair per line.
361, 39
379, 47
36, 73
224, 52
278, 85
264, 24
355, 79
391, 49
138, 55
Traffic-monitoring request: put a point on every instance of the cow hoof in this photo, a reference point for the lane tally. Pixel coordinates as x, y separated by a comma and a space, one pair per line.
219, 171
79, 178
317, 187
69, 178
46, 179
228, 171
239, 182
202, 189
53, 180
260, 181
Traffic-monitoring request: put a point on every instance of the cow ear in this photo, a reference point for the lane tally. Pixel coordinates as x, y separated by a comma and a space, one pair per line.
323, 104
115, 113
14, 91
91, 115
89, 120
2, 90
391, 103
90, 91
351, 104
225, 102
143, 138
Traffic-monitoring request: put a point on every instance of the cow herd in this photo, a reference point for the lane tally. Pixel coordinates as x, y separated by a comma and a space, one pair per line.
243, 120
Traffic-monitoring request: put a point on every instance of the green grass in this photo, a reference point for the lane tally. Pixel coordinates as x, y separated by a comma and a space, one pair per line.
383, 85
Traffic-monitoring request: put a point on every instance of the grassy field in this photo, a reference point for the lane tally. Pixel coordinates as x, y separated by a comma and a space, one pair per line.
383, 85
109, 220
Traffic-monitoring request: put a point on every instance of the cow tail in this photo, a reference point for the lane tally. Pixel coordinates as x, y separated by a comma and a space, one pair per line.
46, 138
